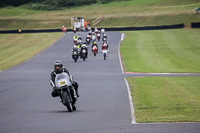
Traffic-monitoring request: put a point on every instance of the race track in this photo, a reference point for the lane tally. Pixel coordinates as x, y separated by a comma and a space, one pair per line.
26, 105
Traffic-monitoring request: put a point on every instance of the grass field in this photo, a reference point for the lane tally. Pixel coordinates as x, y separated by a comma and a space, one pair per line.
134, 13
162, 51
17, 48
166, 99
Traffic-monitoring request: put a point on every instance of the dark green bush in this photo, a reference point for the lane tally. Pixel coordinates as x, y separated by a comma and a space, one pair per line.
51, 4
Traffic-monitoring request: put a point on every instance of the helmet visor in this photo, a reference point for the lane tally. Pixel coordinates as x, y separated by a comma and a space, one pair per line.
57, 67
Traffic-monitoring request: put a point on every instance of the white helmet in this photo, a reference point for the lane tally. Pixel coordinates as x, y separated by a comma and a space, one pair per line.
84, 45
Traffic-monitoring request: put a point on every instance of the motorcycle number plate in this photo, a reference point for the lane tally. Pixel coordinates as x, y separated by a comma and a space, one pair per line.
62, 83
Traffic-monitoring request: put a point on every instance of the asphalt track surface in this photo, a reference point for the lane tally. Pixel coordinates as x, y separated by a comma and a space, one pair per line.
26, 105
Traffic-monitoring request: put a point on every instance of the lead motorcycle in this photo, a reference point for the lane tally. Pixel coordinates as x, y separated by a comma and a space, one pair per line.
66, 91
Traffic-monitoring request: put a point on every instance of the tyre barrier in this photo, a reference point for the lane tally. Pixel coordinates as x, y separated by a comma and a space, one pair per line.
146, 28
176, 26
195, 25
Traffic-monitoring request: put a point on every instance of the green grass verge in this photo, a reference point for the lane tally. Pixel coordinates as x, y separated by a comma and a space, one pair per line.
162, 51
115, 14
17, 48
166, 99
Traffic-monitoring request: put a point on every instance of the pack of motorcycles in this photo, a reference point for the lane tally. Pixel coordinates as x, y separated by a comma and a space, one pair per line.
83, 52
63, 82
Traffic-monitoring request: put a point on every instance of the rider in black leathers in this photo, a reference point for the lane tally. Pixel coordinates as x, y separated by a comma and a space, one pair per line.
58, 68
84, 47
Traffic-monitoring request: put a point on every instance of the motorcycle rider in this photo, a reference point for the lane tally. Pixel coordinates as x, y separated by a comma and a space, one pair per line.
75, 36
105, 40
105, 36
96, 30
88, 38
94, 44
93, 36
90, 34
58, 68
102, 30
80, 38
79, 41
84, 47
75, 49
75, 39
104, 46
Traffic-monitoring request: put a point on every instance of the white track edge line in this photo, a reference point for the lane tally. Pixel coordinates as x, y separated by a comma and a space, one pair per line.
120, 60
133, 120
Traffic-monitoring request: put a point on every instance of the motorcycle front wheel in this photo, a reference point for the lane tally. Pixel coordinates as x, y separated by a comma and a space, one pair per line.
66, 101
74, 107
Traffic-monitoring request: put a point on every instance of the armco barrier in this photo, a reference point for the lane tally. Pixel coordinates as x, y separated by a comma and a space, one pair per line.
195, 25
107, 29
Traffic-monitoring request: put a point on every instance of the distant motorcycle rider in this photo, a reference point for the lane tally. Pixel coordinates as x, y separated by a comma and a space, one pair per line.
104, 47
94, 44
105, 38
58, 68
88, 39
84, 47
75, 36
75, 49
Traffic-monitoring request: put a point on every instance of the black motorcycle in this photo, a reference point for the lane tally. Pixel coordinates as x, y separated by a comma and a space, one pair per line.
88, 41
75, 55
83, 53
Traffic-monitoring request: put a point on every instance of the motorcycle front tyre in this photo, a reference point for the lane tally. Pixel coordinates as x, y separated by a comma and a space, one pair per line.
66, 101
74, 107
104, 56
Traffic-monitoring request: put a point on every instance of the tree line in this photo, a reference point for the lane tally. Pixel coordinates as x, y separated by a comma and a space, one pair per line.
51, 4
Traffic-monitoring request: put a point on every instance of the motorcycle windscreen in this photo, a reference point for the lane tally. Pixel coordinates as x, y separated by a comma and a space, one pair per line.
104, 51
62, 80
